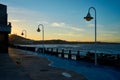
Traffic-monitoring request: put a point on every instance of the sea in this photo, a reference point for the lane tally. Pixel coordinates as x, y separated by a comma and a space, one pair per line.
107, 48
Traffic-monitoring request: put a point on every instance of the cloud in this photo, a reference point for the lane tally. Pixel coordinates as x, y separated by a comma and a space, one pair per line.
21, 11
77, 29
14, 20
56, 24
42, 22
67, 26
66, 34
25, 15
91, 25
110, 33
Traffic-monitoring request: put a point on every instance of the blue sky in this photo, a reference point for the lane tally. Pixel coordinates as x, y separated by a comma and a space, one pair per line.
64, 19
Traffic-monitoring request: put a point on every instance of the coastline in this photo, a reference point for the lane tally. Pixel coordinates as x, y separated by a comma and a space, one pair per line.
32, 66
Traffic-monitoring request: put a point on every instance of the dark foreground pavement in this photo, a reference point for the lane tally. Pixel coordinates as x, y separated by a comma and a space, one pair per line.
31, 67
9, 70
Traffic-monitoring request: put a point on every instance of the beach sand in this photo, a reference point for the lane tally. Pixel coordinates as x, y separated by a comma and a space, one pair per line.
37, 67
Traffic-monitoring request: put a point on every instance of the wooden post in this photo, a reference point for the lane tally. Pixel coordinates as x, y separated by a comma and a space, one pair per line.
69, 55
78, 55
118, 56
47, 50
62, 54
51, 52
56, 53
43, 50
101, 55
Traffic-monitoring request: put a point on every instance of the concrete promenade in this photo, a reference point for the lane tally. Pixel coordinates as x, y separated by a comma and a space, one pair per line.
17, 65
9, 70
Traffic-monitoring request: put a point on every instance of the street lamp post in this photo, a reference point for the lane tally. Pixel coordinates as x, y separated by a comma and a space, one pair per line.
23, 33
88, 18
38, 30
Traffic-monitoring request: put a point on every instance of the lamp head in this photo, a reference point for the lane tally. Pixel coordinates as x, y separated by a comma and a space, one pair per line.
38, 30
22, 33
88, 17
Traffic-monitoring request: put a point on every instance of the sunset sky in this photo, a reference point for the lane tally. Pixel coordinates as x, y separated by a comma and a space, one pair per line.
64, 19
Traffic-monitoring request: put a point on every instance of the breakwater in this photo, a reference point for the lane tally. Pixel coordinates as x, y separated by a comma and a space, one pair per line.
102, 58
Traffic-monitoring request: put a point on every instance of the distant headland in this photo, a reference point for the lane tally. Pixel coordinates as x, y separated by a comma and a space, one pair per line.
15, 39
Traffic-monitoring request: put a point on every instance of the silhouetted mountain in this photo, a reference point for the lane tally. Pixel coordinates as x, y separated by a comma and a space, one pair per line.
15, 39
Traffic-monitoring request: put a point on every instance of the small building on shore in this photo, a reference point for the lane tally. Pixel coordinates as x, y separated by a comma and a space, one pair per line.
5, 29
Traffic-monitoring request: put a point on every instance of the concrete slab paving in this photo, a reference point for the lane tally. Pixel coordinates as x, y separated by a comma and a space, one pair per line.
9, 70
37, 67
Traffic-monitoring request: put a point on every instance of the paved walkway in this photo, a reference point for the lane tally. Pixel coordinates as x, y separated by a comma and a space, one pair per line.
9, 71
36, 68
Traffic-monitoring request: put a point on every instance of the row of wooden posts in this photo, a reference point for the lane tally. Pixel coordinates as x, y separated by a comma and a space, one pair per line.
76, 54
102, 58
61, 53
